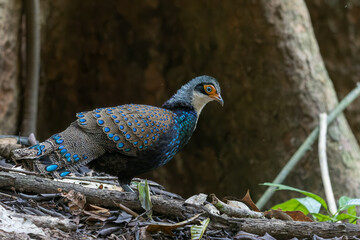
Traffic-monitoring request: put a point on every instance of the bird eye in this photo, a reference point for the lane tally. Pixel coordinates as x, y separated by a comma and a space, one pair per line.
209, 89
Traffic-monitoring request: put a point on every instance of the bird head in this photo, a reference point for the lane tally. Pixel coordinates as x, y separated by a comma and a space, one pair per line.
196, 93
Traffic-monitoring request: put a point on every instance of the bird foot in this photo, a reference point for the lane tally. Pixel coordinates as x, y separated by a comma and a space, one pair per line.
127, 188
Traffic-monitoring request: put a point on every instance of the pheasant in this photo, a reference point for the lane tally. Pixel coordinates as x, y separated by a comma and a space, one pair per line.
125, 140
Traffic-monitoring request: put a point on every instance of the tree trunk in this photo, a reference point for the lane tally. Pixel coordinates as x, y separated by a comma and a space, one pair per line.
263, 53
336, 26
10, 15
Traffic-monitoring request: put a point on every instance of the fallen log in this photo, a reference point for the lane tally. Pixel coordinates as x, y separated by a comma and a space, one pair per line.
177, 208
102, 197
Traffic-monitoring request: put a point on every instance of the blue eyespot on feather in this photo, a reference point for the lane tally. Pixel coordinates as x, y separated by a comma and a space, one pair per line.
63, 174
51, 168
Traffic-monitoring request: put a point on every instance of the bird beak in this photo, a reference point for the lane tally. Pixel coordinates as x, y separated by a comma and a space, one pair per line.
219, 99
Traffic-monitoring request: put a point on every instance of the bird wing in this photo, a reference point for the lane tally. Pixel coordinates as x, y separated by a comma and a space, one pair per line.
131, 128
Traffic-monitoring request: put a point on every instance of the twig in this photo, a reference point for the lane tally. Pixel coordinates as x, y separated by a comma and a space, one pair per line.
32, 66
104, 178
306, 146
17, 170
129, 211
324, 165
92, 179
7, 195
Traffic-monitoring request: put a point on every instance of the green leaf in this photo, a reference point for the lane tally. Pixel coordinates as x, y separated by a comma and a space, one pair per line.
311, 204
197, 231
291, 205
305, 205
352, 210
309, 194
144, 197
323, 218
345, 216
343, 200
346, 202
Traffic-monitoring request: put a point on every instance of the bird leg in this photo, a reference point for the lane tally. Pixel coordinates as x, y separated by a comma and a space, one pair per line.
126, 187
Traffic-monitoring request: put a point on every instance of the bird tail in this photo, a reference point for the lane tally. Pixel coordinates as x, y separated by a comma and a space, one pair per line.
40, 158
61, 154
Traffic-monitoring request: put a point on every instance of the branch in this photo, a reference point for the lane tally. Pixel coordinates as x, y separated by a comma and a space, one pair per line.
280, 229
306, 146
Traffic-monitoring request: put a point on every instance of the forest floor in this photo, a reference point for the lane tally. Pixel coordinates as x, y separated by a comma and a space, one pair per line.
33, 207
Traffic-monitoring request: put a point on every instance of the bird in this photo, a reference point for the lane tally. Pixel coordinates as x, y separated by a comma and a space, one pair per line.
126, 140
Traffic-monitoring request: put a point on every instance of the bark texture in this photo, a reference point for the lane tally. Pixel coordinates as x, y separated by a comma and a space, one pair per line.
304, 70
336, 25
10, 15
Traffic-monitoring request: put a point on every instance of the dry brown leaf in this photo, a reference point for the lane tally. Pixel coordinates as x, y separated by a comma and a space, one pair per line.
298, 216
76, 201
237, 204
277, 214
96, 213
144, 234
249, 202
197, 200
168, 227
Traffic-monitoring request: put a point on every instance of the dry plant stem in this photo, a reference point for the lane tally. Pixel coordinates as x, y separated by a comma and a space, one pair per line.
92, 179
306, 146
17, 170
129, 211
7, 195
324, 165
233, 211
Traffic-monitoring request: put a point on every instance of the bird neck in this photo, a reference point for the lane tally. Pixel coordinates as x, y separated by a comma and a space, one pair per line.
181, 99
